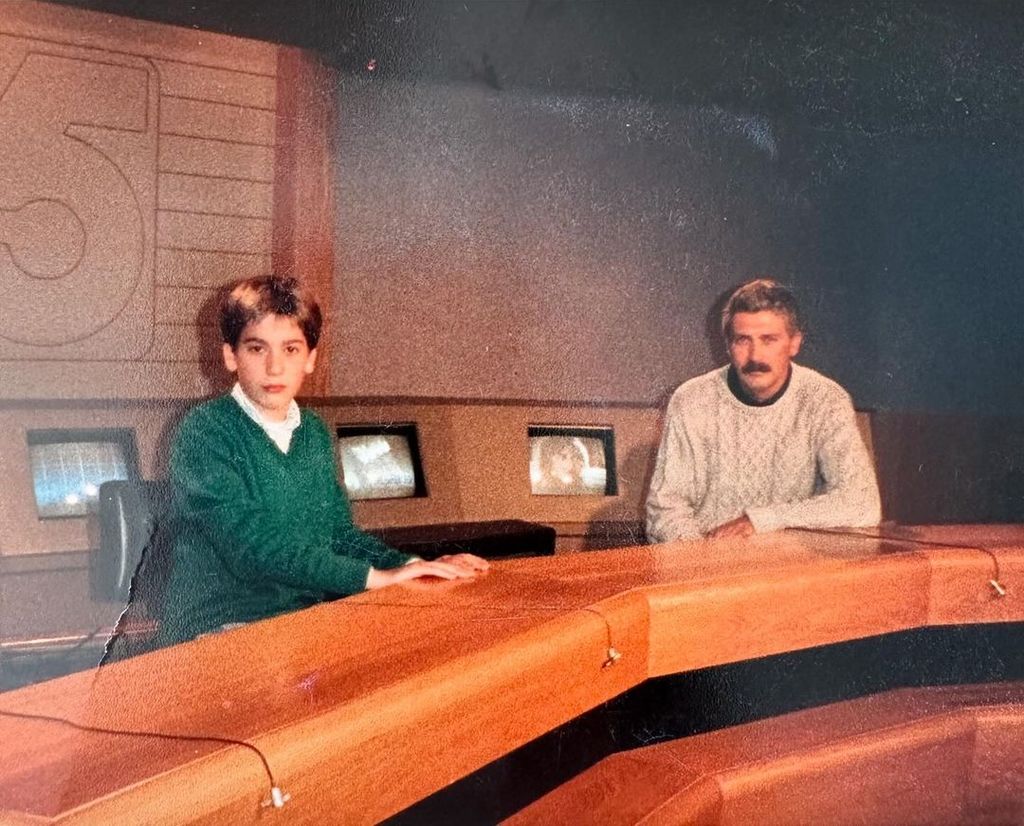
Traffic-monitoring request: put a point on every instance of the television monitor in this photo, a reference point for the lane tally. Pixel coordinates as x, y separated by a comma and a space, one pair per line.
380, 461
572, 461
68, 467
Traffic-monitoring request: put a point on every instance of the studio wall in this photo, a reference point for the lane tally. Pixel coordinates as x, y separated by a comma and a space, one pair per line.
931, 229
142, 167
494, 256
518, 245
583, 180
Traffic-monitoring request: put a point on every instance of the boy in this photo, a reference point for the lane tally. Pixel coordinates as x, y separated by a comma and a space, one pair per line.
263, 526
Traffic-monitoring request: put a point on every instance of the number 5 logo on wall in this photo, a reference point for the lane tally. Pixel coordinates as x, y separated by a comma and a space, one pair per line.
78, 169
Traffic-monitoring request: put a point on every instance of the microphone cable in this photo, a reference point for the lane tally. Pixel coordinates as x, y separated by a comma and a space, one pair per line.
995, 582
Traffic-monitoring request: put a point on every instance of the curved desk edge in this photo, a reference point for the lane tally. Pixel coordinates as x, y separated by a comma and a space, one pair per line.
434, 707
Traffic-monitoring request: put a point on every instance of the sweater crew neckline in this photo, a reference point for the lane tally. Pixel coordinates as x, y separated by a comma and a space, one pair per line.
732, 381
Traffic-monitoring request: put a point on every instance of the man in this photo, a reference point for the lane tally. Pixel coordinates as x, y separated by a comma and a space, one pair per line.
761, 444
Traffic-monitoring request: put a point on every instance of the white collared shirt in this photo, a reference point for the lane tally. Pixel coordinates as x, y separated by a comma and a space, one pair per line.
280, 433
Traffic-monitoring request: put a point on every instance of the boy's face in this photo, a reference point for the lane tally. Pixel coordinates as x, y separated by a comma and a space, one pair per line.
272, 360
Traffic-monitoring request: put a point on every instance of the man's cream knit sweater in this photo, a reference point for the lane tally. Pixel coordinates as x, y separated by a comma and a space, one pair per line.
799, 462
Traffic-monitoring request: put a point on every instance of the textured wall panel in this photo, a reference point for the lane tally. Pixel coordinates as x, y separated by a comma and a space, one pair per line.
216, 195
217, 159
217, 121
196, 268
137, 175
212, 233
250, 89
78, 143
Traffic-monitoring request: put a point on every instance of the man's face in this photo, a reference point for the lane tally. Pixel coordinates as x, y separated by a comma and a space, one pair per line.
760, 348
272, 360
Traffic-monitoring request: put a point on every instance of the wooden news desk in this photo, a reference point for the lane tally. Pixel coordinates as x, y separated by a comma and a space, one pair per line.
363, 707
912, 756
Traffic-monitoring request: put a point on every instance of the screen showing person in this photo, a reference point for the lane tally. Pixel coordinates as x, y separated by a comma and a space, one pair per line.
571, 461
68, 467
380, 462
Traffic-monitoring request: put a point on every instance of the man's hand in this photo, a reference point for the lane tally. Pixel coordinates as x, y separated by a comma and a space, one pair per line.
740, 528
455, 566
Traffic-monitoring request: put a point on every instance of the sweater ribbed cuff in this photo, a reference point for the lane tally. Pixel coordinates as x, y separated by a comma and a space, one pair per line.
764, 519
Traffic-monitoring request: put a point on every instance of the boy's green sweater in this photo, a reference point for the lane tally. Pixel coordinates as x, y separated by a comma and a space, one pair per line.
259, 532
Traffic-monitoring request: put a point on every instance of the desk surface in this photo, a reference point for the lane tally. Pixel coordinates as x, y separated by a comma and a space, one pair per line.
366, 705
912, 756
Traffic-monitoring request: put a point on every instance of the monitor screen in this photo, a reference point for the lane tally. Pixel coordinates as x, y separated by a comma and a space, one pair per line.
572, 461
380, 461
68, 467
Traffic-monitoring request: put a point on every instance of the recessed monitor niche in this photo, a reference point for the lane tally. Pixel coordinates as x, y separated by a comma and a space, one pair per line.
572, 461
68, 467
380, 461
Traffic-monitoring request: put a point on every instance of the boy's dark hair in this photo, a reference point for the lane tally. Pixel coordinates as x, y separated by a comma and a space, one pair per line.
758, 295
252, 299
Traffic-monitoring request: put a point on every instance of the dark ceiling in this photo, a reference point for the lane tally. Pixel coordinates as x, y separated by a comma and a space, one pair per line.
867, 66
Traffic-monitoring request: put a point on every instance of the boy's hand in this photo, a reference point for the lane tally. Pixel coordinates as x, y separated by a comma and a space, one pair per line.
457, 566
471, 561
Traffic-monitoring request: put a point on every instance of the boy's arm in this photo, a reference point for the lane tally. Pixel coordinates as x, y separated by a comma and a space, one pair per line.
349, 541
390, 566
252, 541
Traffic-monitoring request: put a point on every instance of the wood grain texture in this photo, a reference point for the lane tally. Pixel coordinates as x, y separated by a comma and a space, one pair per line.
911, 756
412, 676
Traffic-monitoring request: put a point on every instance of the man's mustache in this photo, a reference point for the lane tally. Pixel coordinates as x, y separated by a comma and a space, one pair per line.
755, 367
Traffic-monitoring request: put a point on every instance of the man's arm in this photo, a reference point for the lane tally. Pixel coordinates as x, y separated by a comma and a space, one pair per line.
671, 513
850, 496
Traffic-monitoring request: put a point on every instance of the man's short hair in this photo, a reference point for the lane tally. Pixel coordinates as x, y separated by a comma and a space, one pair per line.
254, 298
759, 295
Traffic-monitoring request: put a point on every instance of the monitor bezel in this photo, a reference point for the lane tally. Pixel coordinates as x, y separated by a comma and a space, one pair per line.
123, 436
606, 433
406, 429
